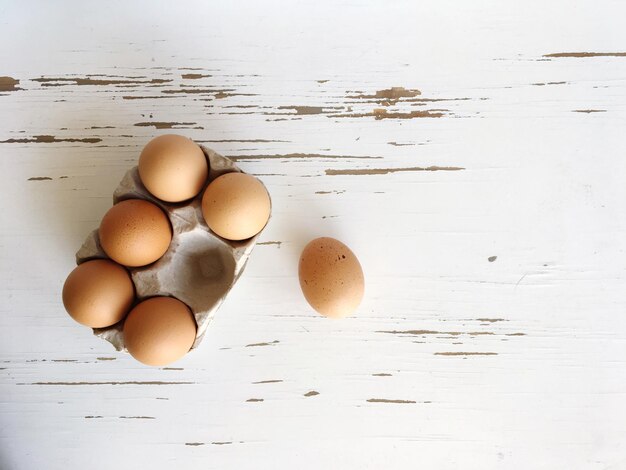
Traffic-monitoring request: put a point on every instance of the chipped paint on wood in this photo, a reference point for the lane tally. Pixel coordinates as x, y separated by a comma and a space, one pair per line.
421, 332
293, 156
386, 400
9, 84
129, 382
331, 192
392, 94
270, 343
194, 76
382, 113
82, 81
148, 97
164, 125
455, 353
398, 144
306, 110
385, 171
548, 83
255, 141
221, 95
198, 91
50, 139
585, 54
271, 243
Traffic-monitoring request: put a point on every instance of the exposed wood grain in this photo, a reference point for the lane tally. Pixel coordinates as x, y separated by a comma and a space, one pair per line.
50, 139
270, 343
385, 171
586, 54
386, 400
130, 382
9, 84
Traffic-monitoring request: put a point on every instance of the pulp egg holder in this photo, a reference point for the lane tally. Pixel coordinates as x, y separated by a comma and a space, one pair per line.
199, 268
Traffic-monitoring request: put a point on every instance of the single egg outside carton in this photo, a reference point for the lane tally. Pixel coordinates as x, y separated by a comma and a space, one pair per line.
331, 277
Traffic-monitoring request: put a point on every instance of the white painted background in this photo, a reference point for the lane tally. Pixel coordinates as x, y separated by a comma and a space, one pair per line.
542, 189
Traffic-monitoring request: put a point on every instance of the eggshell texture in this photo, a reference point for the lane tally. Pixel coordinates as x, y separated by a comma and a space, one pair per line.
135, 233
331, 277
159, 331
173, 168
98, 293
236, 206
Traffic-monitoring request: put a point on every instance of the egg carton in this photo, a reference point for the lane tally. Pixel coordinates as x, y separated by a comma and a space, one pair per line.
199, 268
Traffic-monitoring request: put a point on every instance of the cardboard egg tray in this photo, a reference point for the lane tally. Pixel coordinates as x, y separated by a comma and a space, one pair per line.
199, 267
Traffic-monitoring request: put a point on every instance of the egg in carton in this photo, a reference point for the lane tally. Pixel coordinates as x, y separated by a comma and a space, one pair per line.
199, 268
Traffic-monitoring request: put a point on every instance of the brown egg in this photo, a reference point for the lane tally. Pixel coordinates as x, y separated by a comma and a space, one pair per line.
98, 293
173, 168
135, 232
159, 331
236, 206
331, 277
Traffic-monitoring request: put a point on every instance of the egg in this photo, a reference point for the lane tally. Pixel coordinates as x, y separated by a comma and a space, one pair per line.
236, 206
173, 168
159, 331
135, 233
98, 293
331, 277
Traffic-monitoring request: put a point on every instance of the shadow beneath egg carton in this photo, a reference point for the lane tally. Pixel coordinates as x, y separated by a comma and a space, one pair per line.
199, 267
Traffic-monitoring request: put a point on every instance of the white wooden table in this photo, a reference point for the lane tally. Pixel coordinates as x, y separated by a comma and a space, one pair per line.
487, 209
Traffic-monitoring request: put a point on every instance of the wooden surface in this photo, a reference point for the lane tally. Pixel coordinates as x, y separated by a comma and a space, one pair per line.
484, 196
